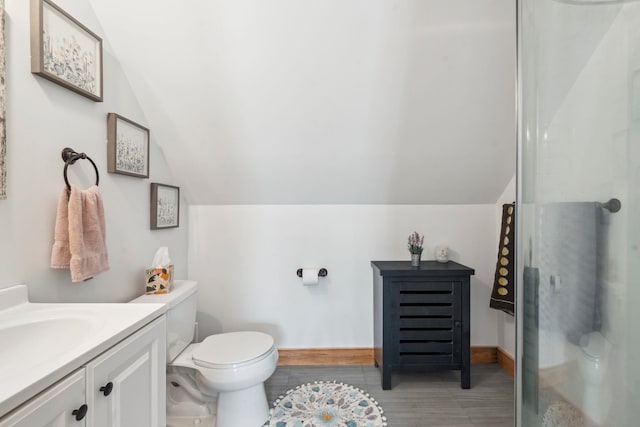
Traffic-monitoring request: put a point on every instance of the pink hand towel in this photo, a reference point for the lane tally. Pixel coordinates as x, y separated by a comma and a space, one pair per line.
80, 237
60, 254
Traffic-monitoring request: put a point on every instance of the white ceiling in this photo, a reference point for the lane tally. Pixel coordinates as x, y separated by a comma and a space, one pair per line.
332, 101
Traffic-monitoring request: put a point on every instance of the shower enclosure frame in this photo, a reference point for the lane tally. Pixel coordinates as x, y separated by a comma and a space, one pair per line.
580, 59
518, 214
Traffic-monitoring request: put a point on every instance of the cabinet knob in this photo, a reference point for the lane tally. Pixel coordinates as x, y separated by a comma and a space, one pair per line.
106, 390
80, 412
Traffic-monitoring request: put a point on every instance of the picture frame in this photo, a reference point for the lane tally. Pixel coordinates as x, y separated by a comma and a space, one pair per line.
127, 147
64, 51
165, 206
3, 91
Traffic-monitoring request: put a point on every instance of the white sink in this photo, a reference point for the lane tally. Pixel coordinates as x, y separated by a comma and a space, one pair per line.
39, 333
42, 343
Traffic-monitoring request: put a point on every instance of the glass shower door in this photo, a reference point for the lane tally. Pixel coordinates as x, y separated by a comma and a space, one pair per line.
578, 332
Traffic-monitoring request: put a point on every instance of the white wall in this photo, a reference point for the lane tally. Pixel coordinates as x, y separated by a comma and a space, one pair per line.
246, 256
43, 118
326, 102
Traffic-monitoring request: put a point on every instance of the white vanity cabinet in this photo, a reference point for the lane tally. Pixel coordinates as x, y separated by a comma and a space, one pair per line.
58, 406
126, 385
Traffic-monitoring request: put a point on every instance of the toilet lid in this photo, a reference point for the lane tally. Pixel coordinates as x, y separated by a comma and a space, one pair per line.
232, 348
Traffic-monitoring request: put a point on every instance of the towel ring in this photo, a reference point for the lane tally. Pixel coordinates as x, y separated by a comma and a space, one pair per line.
69, 156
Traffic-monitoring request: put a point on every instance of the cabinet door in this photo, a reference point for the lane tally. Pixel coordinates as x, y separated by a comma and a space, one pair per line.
427, 316
54, 407
126, 385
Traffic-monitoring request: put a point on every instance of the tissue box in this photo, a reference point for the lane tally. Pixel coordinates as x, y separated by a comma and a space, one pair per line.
158, 280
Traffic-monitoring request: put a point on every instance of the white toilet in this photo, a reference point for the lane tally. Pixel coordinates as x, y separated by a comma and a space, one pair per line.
232, 366
593, 361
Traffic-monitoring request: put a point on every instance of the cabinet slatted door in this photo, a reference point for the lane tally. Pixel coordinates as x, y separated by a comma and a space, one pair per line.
126, 384
54, 407
428, 319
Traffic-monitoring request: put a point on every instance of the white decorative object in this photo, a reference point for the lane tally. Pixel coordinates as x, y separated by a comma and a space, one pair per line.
442, 253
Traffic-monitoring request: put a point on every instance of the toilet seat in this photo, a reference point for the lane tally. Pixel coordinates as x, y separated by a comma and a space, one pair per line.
233, 349
593, 346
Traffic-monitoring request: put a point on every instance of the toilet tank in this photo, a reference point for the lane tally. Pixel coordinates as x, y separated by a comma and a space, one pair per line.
181, 314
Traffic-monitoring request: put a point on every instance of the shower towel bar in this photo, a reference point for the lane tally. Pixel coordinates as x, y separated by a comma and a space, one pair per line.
69, 156
613, 205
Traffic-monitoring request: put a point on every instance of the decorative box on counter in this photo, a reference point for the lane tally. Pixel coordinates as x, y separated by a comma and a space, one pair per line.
158, 280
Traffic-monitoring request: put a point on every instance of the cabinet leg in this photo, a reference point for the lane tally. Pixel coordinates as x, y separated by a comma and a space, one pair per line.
465, 377
386, 379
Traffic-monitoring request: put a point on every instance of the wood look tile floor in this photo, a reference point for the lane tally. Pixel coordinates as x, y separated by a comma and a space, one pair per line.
425, 399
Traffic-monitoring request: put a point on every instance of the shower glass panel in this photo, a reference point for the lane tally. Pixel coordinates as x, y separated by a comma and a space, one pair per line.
579, 257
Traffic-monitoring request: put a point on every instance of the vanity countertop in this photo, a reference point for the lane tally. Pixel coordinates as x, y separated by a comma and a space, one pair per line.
41, 343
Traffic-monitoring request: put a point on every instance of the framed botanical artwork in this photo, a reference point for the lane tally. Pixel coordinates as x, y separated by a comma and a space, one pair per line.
127, 147
165, 206
3, 135
64, 51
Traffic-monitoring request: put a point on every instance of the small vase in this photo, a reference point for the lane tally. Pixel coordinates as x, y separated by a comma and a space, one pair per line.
415, 260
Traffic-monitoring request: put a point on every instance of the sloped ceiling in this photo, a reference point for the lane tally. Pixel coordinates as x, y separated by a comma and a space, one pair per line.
332, 101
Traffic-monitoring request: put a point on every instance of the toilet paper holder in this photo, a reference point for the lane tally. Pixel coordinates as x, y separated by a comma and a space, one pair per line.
321, 273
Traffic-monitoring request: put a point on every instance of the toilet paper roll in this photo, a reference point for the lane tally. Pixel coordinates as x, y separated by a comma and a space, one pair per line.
310, 276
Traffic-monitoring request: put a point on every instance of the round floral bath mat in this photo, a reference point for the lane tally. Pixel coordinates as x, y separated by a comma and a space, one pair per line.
326, 404
562, 414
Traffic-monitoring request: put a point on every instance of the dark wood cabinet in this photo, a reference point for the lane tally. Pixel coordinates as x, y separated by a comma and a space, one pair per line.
421, 317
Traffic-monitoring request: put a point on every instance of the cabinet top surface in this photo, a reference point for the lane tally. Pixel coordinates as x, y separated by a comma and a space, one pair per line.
427, 268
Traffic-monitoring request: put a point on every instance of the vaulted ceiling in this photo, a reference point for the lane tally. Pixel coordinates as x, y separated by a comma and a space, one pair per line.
332, 101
